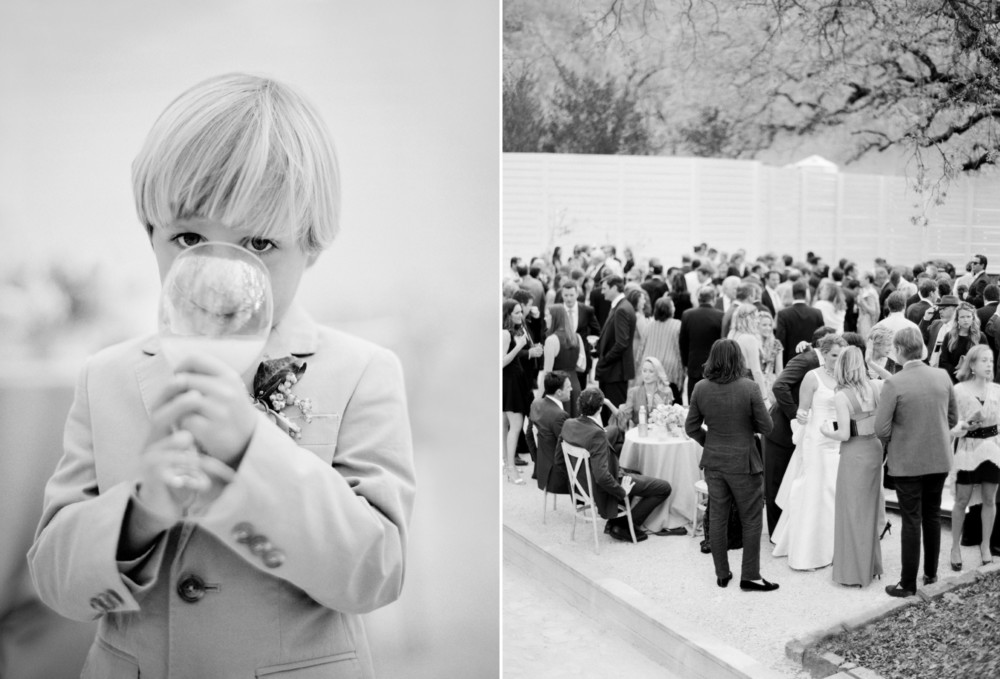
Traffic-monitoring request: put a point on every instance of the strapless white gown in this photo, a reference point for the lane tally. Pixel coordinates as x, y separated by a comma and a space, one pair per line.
805, 530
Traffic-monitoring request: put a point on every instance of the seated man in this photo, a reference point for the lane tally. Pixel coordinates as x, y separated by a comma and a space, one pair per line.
610, 486
547, 415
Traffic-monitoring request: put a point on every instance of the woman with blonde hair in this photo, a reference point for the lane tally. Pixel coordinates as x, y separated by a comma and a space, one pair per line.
977, 455
880, 352
772, 352
859, 506
830, 300
653, 390
744, 329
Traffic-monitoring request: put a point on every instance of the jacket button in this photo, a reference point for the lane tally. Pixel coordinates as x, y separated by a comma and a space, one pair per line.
191, 588
259, 545
273, 558
242, 532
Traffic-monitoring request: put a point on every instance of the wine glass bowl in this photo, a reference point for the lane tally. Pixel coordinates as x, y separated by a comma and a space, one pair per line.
215, 300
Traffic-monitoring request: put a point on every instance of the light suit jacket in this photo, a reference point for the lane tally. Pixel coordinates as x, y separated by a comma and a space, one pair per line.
916, 410
309, 534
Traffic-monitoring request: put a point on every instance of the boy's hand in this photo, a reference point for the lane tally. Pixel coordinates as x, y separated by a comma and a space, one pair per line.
160, 463
208, 399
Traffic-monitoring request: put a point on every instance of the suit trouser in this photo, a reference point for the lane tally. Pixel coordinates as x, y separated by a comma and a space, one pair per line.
776, 457
692, 380
616, 392
652, 493
747, 491
919, 500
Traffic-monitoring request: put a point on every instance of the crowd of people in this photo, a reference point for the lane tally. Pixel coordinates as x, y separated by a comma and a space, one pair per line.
812, 387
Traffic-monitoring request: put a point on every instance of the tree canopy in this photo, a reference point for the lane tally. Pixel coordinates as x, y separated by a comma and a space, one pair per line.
733, 78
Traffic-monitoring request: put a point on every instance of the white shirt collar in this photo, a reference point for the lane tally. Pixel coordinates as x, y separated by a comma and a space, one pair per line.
596, 417
554, 400
616, 300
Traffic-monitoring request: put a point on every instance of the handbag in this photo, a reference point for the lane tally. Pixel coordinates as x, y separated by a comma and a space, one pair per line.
581, 357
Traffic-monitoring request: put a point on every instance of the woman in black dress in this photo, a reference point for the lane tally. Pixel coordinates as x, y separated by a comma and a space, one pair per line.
562, 352
516, 389
964, 335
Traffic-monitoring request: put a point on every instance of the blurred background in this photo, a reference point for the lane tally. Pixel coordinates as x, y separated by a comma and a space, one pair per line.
410, 92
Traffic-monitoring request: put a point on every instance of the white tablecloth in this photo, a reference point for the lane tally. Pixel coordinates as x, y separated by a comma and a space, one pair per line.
673, 459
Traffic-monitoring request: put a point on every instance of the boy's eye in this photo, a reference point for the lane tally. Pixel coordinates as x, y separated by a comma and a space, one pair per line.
259, 245
187, 239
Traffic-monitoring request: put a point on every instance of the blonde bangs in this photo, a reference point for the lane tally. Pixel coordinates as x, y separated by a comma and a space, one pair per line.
244, 151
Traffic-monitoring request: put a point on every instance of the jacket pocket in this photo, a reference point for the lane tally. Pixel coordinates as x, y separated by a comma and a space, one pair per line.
319, 435
339, 666
104, 660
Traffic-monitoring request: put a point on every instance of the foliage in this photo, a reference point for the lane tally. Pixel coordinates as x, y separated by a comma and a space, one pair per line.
950, 637
523, 118
596, 115
916, 75
566, 90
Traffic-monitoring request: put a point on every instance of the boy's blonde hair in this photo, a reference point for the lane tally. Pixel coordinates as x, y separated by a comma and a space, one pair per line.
246, 151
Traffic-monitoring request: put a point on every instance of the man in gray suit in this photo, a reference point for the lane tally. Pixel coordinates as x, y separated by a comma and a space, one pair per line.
915, 412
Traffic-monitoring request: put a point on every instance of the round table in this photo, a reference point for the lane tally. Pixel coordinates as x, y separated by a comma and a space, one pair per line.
673, 458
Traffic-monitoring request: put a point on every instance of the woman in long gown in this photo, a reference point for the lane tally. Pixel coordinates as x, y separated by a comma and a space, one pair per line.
808, 490
857, 554
561, 351
977, 456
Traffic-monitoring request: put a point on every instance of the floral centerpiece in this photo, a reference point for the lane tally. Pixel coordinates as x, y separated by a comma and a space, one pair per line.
669, 417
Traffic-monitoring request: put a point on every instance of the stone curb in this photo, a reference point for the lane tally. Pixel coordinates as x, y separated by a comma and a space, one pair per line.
805, 649
677, 644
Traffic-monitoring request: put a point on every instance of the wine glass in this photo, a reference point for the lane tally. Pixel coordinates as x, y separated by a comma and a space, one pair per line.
215, 300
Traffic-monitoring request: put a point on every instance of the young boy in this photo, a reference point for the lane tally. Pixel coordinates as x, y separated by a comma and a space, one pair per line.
298, 534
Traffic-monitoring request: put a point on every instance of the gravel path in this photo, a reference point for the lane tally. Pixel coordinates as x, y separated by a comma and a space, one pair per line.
674, 574
544, 637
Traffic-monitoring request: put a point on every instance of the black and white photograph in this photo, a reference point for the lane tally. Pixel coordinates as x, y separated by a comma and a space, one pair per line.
244, 414
749, 338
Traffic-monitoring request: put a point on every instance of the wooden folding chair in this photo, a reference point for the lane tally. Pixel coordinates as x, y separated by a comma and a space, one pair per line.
546, 493
583, 497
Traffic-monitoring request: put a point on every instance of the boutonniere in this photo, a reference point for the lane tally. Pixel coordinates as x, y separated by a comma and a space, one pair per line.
272, 392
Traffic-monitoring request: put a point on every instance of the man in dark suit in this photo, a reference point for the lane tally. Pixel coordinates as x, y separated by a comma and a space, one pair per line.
926, 297
991, 294
886, 288
582, 318
700, 327
655, 286
615, 363
979, 281
597, 271
798, 322
916, 410
769, 295
547, 416
778, 446
610, 485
